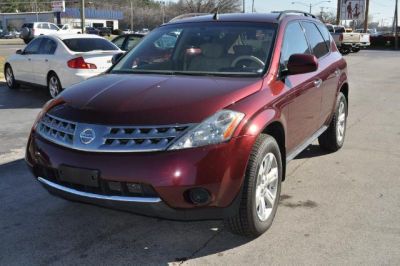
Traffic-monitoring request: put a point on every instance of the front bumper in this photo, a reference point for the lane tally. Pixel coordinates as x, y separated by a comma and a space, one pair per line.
219, 168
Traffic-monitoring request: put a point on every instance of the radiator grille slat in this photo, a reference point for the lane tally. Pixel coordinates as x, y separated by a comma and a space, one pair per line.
109, 138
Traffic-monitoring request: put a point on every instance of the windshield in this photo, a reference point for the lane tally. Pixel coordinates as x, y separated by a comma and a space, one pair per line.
89, 44
202, 49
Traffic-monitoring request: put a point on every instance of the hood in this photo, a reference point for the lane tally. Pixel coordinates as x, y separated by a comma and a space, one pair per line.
142, 99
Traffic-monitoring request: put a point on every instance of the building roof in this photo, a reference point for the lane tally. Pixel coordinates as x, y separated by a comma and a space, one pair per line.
72, 12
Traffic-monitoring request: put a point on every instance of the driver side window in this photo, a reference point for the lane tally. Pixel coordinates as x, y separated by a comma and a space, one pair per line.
33, 47
294, 42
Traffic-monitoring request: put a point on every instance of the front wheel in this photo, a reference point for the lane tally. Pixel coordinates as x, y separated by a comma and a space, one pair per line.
261, 190
333, 138
10, 79
53, 85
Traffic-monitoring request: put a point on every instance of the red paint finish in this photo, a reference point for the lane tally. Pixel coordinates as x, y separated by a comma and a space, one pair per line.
293, 101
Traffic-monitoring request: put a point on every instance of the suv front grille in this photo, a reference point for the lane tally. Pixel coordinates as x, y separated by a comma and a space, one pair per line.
56, 129
103, 138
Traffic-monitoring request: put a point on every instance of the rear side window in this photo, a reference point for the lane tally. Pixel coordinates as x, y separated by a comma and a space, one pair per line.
53, 27
89, 44
48, 46
119, 41
294, 42
132, 42
326, 34
317, 43
45, 26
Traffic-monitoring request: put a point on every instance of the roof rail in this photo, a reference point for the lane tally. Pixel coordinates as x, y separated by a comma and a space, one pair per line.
285, 12
188, 15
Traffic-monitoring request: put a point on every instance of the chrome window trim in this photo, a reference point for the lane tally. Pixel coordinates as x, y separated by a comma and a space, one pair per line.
98, 196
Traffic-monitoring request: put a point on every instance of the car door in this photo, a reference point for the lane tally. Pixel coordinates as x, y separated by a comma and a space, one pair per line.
303, 96
327, 76
43, 59
23, 63
331, 76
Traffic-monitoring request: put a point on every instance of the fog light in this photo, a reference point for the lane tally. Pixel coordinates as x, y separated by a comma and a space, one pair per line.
134, 188
199, 196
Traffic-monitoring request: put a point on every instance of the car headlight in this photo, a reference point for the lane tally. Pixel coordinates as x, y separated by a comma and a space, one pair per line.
215, 129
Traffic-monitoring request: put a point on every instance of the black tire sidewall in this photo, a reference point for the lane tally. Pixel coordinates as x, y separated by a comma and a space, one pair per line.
268, 145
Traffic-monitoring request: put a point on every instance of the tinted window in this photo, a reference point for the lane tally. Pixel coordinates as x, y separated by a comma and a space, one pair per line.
45, 26
33, 47
325, 33
339, 30
119, 41
28, 25
317, 43
89, 44
132, 42
294, 42
48, 46
54, 27
226, 48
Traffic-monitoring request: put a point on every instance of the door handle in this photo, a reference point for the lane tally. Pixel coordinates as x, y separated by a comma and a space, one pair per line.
318, 83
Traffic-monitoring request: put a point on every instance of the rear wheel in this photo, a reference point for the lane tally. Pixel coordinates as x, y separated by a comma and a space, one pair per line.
54, 85
355, 49
261, 190
333, 138
9, 76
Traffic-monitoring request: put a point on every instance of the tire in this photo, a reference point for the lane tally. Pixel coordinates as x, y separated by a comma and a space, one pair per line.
355, 49
9, 76
53, 85
333, 138
250, 221
344, 51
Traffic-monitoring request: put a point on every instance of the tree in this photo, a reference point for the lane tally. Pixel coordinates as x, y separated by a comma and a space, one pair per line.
208, 6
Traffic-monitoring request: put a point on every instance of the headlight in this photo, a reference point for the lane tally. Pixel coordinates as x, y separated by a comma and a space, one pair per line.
215, 129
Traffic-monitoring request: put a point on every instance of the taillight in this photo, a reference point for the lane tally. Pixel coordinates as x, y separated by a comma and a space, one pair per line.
341, 37
80, 63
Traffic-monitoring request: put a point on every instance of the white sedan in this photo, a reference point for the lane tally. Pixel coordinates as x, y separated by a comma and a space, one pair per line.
59, 61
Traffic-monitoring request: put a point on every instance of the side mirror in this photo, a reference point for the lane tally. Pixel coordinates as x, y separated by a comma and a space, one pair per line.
116, 58
301, 64
19, 51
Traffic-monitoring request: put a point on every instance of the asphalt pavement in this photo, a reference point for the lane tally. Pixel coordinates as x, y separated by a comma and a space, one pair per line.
339, 208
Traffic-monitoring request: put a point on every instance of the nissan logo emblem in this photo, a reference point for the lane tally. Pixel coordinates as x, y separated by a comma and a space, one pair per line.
87, 136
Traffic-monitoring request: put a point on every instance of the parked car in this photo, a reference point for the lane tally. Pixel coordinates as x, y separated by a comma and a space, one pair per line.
69, 29
346, 40
59, 61
201, 129
31, 30
127, 41
91, 30
12, 34
102, 31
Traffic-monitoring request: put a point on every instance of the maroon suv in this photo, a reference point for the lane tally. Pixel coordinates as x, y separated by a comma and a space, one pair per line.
198, 121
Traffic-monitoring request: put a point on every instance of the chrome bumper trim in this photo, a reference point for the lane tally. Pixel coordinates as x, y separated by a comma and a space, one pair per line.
97, 196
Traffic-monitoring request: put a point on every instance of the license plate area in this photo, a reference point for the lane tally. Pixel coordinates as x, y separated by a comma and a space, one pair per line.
79, 176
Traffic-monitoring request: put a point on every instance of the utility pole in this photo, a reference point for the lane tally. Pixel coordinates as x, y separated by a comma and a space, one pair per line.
244, 6
310, 8
131, 15
83, 16
396, 26
338, 12
252, 7
366, 17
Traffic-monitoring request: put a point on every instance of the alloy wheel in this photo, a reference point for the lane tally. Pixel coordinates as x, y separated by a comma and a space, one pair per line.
341, 122
54, 88
267, 186
9, 77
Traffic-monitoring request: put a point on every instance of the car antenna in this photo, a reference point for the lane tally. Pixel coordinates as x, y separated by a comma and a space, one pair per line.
216, 13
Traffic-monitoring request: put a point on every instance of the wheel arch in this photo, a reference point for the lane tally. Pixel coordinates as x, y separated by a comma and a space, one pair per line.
271, 122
